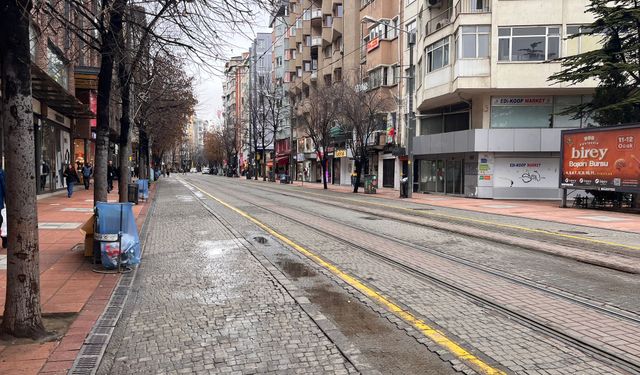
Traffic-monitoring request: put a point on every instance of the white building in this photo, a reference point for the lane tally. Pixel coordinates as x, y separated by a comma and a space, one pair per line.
487, 116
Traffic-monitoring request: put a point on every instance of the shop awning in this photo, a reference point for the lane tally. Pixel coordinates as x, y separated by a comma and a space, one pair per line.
282, 160
55, 96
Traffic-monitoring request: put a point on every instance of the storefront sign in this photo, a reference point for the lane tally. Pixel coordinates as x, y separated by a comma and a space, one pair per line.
521, 101
485, 170
602, 158
525, 172
342, 153
373, 44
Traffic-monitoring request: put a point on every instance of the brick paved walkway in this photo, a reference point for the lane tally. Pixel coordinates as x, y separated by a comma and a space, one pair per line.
67, 283
202, 303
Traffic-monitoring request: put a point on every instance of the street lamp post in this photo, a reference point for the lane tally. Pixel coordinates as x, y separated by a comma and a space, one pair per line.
411, 38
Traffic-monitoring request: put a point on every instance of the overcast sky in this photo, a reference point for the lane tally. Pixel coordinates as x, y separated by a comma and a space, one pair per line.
209, 84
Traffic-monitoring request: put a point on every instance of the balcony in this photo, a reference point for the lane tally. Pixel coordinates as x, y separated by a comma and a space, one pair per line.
316, 41
472, 6
316, 13
314, 75
438, 21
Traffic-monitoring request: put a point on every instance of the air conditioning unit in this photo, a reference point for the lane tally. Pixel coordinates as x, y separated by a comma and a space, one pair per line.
434, 3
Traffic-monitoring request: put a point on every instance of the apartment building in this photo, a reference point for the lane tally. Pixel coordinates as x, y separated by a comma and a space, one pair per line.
323, 45
381, 59
234, 97
285, 158
488, 123
260, 85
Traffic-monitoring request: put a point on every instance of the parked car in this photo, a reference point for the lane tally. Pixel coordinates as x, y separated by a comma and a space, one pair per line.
205, 170
193, 170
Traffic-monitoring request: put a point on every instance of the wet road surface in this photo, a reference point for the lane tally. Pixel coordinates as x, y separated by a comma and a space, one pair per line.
225, 286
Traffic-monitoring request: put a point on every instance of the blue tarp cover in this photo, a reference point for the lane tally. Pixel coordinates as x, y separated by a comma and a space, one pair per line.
109, 222
143, 188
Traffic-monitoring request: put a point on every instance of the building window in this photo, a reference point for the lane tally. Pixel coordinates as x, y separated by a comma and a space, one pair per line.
582, 43
538, 43
338, 11
472, 42
57, 67
561, 104
306, 15
33, 41
437, 55
411, 29
299, 72
521, 112
292, 31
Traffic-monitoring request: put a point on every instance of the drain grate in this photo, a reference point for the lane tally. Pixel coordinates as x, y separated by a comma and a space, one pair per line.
91, 350
422, 209
371, 218
96, 339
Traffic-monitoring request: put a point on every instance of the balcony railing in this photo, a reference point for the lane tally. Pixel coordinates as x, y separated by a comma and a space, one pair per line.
472, 6
316, 41
438, 21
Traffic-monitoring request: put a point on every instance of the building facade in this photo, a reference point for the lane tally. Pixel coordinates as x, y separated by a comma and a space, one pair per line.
488, 118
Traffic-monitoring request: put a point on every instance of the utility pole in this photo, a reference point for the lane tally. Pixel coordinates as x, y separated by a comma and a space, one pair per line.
410, 116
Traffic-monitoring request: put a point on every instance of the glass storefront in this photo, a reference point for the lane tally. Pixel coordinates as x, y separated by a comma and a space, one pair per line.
441, 176
53, 148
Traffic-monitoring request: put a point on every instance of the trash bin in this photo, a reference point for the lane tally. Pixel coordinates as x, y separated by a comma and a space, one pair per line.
143, 188
404, 187
284, 178
370, 183
117, 235
132, 193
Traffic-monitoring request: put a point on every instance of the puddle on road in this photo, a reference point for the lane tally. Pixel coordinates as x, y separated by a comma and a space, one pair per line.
296, 270
350, 315
371, 218
260, 240
214, 249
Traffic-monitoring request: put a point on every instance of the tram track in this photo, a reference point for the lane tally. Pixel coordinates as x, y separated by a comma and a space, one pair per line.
631, 365
571, 248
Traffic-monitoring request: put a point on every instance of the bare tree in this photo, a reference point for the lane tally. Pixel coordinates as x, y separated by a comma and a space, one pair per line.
363, 113
320, 112
22, 314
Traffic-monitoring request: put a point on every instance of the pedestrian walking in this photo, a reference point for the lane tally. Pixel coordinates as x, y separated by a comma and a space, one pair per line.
71, 177
87, 172
111, 172
3, 192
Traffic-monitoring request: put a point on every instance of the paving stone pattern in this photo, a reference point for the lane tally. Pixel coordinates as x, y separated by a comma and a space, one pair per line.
484, 331
203, 304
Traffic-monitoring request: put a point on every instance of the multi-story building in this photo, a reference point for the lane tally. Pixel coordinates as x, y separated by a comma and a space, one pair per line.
381, 60
488, 118
56, 109
261, 90
280, 42
322, 48
235, 96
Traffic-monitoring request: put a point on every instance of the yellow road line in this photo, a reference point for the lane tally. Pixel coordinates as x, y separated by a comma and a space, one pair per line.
435, 335
487, 222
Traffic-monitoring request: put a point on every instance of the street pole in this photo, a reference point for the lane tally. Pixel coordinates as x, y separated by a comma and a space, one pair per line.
410, 117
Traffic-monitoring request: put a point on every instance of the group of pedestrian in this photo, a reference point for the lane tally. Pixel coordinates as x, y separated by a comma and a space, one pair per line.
71, 177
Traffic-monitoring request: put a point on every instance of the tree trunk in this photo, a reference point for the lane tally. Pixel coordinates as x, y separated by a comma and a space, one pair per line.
124, 77
105, 77
358, 165
22, 316
143, 153
323, 164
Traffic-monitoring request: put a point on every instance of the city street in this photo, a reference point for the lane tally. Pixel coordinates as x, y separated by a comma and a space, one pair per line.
245, 277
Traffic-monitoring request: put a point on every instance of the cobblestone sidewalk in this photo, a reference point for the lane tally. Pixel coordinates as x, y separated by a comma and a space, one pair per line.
202, 303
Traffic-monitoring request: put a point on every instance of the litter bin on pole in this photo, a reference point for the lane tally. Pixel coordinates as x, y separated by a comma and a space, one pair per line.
132, 193
370, 183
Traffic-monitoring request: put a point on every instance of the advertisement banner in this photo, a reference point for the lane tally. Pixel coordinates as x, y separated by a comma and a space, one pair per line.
601, 159
526, 173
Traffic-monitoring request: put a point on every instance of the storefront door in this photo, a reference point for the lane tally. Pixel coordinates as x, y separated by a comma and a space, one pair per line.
454, 177
388, 172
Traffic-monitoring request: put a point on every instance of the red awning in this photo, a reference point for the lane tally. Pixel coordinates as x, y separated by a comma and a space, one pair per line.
282, 160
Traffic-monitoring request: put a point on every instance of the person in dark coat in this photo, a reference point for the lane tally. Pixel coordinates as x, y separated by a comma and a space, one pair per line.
87, 171
111, 173
71, 177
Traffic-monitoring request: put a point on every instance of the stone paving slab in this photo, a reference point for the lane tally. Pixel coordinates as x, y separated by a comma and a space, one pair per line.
518, 347
202, 303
